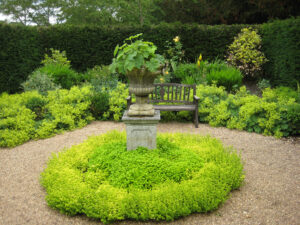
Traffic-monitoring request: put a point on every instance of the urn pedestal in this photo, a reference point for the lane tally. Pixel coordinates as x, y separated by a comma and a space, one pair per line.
141, 131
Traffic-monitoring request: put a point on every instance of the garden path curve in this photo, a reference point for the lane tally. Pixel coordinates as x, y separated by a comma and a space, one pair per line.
270, 195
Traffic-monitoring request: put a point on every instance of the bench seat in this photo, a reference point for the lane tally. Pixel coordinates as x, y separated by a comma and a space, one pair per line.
177, 97
175, 107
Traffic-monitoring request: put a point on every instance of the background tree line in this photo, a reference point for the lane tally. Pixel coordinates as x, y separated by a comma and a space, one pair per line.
141, 12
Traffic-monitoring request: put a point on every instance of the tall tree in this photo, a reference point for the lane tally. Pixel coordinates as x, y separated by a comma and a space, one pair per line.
45, 11
86, 11
137, 11
27, 12
20, 10
228, 11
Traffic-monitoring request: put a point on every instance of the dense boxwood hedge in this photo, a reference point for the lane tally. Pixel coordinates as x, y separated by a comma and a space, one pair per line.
101, 179
20, 53
281, 46
22, 48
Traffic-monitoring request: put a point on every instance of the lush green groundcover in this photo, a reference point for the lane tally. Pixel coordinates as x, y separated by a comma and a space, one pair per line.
100, 178
31, 115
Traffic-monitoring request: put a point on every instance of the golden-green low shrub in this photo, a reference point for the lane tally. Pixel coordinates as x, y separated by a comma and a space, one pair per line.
101, 179
274, 113
31, 115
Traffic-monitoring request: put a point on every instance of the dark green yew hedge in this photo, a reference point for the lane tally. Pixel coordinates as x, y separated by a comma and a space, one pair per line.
281, 45
20, 52
22, 48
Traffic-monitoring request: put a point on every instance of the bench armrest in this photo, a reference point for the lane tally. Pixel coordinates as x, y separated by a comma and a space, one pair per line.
196, 100
128, 99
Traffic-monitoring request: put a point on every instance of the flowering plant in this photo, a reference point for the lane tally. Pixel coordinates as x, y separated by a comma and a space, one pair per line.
174, 53
199, 61
136, 55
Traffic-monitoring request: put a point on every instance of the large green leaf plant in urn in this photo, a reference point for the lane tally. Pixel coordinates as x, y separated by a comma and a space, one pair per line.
138, 60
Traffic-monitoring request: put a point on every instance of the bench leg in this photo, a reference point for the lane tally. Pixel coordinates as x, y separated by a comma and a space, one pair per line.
196, 118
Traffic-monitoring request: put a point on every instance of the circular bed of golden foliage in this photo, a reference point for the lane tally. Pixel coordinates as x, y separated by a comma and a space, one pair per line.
101, 179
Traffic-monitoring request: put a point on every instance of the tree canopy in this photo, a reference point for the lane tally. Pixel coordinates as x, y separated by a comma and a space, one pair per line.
141, 12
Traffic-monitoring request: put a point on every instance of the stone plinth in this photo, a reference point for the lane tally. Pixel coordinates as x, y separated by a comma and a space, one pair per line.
141, 131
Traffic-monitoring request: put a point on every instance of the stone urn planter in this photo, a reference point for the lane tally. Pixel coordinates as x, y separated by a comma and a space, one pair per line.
141, 85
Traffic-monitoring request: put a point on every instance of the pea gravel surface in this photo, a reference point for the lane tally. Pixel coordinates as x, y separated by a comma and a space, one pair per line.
270, 194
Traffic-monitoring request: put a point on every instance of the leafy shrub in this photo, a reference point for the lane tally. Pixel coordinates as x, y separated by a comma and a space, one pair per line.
68, 109
56, 58
16, 121
209, 96
62, 75
117, 102
40, 82
229, 77
36, 104
263, 84
181, 116
173, 53
282, 94
244, 53
99, 104
215, 65
273, 114
31, 115
100, 77
167, 116
189, 74
100, 178
57, 67
291, 119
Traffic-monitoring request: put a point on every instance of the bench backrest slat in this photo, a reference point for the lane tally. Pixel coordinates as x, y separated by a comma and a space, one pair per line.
173, 93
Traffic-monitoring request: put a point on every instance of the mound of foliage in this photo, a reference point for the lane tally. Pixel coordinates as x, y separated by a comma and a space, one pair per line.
276, 113
215, 72
101, 179
245, 54
31, 115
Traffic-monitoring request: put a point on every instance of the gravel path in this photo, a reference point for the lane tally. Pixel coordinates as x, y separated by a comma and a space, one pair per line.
270, 195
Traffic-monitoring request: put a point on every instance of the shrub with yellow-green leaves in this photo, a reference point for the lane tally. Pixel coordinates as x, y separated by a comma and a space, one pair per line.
272, 114
101, 179
117, 102
245, 54
31, 115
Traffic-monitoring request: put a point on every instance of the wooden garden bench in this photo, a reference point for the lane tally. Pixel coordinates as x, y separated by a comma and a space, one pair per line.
177, 97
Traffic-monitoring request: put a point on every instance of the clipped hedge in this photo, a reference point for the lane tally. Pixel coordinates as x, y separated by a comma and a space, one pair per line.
21, 51
22, 48
101, 179
280, 42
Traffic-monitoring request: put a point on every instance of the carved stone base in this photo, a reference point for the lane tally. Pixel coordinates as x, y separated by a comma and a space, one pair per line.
141, 110
141, 131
